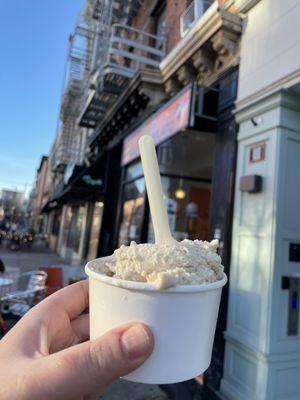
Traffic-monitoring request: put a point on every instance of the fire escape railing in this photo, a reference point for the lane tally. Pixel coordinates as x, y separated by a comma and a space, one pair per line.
78, 64
131, 48
127, 50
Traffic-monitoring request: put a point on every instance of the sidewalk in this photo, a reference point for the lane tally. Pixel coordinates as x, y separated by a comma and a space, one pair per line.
123, 390
38, 256
29, 259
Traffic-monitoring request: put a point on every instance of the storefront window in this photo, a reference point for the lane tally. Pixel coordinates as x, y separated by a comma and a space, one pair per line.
66, 225
186, 164
75, 228
133, 212
56, 223
187, 203
95, 230
188, 154
133, 171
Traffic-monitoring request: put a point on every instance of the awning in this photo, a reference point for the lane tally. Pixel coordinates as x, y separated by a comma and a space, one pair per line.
80, 184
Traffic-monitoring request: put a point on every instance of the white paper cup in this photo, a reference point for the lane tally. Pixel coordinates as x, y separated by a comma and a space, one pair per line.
182, 319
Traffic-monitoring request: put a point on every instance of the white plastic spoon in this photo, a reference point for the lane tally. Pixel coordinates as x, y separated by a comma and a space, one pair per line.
154, 190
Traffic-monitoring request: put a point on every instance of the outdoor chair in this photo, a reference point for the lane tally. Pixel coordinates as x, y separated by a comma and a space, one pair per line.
54, 280
31, 289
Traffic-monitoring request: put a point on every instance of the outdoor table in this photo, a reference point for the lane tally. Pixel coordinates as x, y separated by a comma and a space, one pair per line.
4, 283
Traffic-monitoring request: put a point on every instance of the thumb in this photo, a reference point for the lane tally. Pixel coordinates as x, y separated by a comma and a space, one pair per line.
89, 367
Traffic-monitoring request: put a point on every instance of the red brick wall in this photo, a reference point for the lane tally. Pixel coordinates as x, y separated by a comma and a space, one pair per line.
174, 9
143, 15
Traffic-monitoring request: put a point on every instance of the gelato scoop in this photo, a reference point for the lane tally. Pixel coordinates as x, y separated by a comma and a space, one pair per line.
190, 262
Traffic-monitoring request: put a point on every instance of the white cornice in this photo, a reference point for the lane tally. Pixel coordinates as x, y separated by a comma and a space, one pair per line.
210, 23
284, 83
280, 98
243, 6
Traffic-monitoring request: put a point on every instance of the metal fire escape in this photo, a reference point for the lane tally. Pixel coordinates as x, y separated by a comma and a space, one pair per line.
77, 72
119, 51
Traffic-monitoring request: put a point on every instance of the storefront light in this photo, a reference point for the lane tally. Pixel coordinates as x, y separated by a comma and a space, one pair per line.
180, 194
101, 204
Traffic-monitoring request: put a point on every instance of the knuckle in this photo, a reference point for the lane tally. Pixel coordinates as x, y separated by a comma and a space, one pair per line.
103, 361
69, 361
97, 355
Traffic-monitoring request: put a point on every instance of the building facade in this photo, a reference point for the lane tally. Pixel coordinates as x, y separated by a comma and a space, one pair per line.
216, 84
262, 336
40, 196
165, 68
12, 204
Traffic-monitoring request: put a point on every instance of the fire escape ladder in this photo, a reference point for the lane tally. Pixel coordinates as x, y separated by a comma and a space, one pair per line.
77, 72
120, 51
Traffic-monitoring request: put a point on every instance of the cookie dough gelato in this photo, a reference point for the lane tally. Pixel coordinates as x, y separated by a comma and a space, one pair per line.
190, 262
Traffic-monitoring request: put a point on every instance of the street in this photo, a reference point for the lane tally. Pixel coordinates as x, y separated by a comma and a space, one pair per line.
39, 255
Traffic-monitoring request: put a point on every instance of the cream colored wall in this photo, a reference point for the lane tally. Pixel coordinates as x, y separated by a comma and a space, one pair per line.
270, 48
261, 361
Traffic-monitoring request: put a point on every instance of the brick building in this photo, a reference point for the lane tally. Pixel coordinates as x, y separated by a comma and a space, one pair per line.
170, 69
41, 195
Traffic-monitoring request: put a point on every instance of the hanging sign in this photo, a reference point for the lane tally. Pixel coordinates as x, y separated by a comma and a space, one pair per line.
173, 117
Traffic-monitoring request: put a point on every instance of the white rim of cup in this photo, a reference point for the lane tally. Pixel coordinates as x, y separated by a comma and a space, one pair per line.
145, 286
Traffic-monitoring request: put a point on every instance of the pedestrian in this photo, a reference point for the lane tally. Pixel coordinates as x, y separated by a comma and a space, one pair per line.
14, 226
2, 267
47, 355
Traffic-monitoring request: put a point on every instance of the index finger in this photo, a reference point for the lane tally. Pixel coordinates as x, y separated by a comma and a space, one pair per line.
74, 299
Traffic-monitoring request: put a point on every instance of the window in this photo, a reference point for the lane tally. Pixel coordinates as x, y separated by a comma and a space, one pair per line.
76, 225
196, 147
133, 211
159, 15
56, 223
185, 163
66, 225
191, 15
161, 23
133, 171
95, 230
187, 203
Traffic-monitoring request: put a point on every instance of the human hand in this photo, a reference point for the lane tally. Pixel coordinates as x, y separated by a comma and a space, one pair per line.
44, 357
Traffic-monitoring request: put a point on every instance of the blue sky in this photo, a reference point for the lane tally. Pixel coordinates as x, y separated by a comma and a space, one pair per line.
33, 42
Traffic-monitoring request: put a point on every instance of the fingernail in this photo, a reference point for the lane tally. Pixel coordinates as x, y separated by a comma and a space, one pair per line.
135, 342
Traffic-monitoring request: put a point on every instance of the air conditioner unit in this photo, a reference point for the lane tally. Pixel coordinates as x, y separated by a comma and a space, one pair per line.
191, 15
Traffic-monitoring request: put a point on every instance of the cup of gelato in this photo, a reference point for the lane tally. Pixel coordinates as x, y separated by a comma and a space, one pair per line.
173, 288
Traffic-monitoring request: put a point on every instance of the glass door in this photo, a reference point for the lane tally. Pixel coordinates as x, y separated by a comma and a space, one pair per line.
95, 230
188, 206
132, 212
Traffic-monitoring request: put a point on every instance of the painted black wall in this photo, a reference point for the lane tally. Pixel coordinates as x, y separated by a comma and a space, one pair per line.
221, 212
109, 225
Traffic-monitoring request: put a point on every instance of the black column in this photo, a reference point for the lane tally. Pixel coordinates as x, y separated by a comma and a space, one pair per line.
221, 213
108, 232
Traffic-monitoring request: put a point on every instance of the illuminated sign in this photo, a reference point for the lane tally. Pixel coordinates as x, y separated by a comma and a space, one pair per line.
173, 117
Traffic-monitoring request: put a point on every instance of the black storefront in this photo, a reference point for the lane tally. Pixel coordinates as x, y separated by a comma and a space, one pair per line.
76, 208
195, 133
